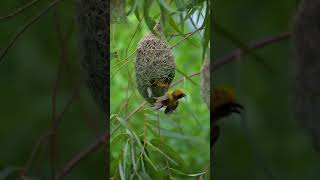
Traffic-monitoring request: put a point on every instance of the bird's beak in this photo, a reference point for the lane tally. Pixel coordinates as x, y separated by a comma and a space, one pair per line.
237, 108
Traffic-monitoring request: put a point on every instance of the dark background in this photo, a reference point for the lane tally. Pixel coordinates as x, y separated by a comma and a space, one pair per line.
283, 144
28, 74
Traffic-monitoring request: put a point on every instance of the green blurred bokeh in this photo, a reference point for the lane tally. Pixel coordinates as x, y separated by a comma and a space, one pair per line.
283, 144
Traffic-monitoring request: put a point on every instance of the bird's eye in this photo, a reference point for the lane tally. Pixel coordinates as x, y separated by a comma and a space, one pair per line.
181, 96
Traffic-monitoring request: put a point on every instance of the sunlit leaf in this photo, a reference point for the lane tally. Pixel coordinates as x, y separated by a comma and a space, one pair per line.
133, 8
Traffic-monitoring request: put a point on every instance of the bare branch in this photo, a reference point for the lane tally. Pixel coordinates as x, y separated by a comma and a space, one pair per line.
232, 56
82, 155
24, 28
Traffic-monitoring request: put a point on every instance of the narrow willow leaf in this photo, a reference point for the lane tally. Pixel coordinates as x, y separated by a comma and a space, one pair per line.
136, 12
135, 166
161, 152
180, 7
189, 14
125, 155
117, 138
186, 76
134, 6
149, 161
167, 7
149, 21
174, 25
122, 175
194, 3
206, 37
168, 150
175, 135
178, 172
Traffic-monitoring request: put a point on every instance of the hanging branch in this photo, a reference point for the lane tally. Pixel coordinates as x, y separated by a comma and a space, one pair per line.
24, 28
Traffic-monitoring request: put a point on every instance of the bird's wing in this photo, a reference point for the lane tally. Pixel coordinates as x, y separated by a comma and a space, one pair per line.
161, 102
171, 107
163, 98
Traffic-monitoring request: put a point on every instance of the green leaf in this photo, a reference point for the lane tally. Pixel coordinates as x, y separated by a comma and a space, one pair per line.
181, 8
136, 12
169, 151
186, 76
175, 135
174, 25
189, 14
178, 172
194, 3
167, 7
149, 21
206, 37
125, 154
161, 152
117, 138
149, 161
135, 166
133, 8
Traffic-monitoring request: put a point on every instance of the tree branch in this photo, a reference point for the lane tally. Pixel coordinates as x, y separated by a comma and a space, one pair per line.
232, 56
82, 155
21, 9
23, 29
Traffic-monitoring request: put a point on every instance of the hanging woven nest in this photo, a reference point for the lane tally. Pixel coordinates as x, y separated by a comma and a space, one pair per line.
154, 67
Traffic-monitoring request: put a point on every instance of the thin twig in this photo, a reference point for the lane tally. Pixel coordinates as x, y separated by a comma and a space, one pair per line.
33, 155
183, 78
23, 29
19, 10
82, 155
183, 39
43, 138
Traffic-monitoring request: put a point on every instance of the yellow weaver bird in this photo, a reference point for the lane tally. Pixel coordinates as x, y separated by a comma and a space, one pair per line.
223, 104
170, 100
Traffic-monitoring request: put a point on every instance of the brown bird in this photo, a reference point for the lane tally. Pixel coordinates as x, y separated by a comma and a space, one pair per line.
224, 104
170, 100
